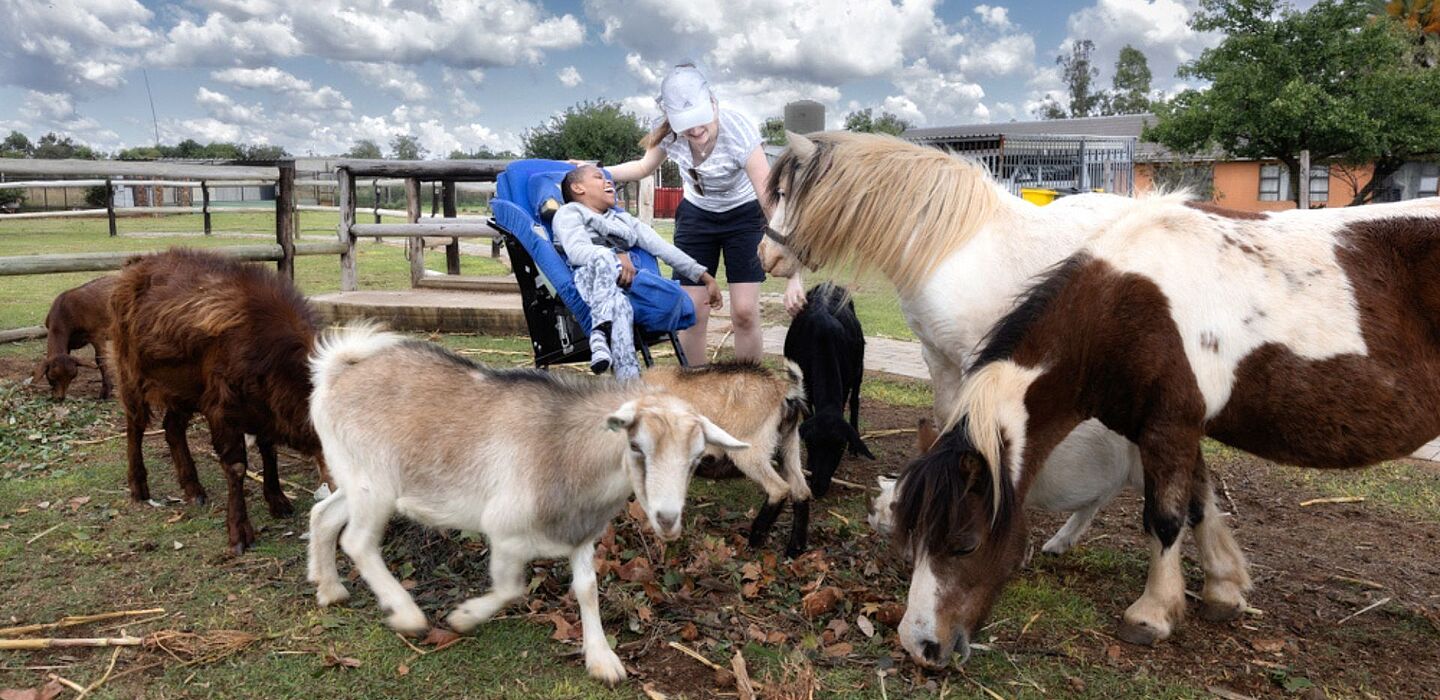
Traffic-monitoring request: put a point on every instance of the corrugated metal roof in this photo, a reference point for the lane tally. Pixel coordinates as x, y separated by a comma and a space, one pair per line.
1125, 125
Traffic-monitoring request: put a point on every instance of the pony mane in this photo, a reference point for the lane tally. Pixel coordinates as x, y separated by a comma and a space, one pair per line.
875, 201
932, 489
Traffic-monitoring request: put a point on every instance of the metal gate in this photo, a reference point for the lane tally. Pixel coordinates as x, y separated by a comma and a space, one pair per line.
1065, 163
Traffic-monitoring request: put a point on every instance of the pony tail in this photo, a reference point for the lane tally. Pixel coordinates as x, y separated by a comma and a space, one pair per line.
657, 135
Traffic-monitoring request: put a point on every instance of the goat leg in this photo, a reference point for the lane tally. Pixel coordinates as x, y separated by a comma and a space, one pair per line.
274, 497
176, 421
764, 521
230, 447
799, 529
102, 363
137, 418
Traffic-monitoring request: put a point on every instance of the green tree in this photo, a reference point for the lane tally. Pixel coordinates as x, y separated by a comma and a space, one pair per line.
1050, 109
600, 131
1131, 94
11, 198
865, 121
16, 145
54, 146
1330, 80
364, 148
263, 152
406, 147
482, 153
1079, 75
772, 131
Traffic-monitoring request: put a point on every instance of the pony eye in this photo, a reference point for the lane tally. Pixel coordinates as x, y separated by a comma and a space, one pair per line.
963, 550
635, 447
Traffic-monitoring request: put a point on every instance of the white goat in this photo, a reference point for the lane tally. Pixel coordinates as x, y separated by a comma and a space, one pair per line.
763, 408
1086, 471
520, 455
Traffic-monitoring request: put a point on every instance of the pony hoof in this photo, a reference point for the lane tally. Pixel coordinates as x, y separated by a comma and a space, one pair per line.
1139, 634
1056, 548
198, 500
331, 594
793, 552
281, 508
411, 623
605, 667
1220, 612
461, 621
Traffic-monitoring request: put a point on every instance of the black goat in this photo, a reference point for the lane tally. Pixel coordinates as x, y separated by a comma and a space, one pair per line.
826, 341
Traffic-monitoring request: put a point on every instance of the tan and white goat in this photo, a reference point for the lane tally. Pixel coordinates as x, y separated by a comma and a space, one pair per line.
763, 408
539, 463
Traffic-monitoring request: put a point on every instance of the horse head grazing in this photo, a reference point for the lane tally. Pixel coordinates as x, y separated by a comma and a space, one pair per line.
959, 519
873, 201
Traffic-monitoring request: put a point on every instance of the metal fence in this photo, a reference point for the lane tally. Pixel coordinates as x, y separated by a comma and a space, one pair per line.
1067, 163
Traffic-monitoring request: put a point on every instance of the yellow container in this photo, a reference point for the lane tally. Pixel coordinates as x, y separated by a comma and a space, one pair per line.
1038, 195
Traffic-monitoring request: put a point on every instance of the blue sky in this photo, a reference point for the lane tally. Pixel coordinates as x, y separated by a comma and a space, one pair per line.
316, 75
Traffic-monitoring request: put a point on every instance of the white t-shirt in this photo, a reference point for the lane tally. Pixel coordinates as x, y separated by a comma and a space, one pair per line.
722, 175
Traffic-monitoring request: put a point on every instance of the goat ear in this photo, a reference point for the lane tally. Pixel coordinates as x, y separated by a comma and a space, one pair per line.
40, 371
925, 435
800, 145
718, 437
886, 483
623, 418
86, 363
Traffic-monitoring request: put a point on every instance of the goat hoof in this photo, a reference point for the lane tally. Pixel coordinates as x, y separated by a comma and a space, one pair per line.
1057, 547
280, 507
605, 666
140, 495
1139, 634
795, 552
199, 499
1215, 611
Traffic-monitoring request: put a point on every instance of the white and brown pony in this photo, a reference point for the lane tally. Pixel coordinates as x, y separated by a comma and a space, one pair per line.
1305, 337
958, 248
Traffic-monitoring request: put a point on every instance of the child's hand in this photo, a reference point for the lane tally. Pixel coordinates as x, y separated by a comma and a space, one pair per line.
795, 295
627, 270
712, 288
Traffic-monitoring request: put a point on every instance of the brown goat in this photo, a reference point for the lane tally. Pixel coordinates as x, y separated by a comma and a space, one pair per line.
78, 317
197, 332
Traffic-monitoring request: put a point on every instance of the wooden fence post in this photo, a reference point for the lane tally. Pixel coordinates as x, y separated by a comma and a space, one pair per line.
346, 197
452, 249
375, 187
205, 204
110, 206
647, 200
1304, 184
285, 219
415, 245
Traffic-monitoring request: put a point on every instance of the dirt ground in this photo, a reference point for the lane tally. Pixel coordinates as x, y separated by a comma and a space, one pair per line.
1347, 595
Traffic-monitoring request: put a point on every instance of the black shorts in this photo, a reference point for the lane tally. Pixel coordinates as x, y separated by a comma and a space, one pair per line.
703, 234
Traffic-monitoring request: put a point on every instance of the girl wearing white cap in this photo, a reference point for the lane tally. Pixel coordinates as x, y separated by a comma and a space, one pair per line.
723, 170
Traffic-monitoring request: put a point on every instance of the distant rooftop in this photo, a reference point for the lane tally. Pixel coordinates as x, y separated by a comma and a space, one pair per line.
1121, 126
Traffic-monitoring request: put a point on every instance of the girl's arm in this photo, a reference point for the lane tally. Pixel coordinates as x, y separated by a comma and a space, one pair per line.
638, 169
758, 168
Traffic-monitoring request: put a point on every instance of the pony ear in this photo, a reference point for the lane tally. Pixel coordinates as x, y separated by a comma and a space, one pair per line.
717, 436
623, 418
800, 145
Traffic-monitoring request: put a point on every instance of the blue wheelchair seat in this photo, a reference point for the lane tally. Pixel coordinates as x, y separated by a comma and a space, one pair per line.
558, 318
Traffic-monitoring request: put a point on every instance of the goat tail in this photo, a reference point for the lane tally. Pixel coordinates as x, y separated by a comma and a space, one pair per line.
347, 345
797, 382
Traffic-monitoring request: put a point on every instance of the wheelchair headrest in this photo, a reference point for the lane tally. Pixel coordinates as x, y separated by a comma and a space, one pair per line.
545, 194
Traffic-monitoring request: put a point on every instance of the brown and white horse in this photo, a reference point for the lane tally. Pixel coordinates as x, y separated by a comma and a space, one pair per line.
1307, 337
958, 248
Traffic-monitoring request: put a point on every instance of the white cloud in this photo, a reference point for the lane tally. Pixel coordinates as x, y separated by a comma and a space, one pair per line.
569, 76
43, 112
392, 79
994, 16
297, 92
648, 73
1007, 55
71, 45
938, 96
772, 38
1159, 28
220, 40
224, 108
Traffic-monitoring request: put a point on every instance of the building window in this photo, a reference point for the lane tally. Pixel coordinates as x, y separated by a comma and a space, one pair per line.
1271, 177
1429, 180
1319, 183
1275, 183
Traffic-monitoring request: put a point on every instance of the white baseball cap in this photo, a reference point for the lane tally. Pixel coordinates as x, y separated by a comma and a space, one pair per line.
685, 98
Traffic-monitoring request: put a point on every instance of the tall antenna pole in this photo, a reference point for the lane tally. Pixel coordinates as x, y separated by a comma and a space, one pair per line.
153, 119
